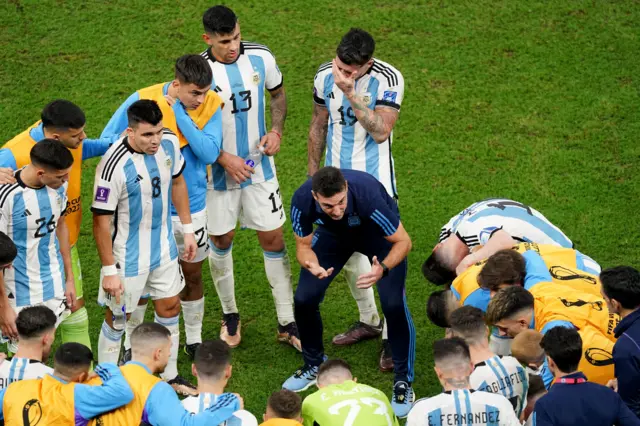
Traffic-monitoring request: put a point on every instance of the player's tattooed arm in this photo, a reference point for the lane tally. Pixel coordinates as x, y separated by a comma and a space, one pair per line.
278, 109
317, 138
378, 123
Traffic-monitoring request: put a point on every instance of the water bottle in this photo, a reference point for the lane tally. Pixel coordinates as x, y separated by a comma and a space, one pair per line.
255, 156
119, 311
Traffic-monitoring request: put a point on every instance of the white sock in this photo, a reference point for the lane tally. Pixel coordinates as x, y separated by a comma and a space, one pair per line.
357, 265
135, 319
278, 270
109, 344
192, 315
173, 324
221, 266
385, 330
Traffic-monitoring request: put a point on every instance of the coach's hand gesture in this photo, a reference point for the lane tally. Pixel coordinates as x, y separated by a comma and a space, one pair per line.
8, 321
370, 278
318, 270
112, 285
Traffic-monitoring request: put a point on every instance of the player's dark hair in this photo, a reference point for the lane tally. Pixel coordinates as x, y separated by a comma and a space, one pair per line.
328, 181
504, 267
449, 349
622, 284
468, 322
508, 302
536, 385
333, 364
144, 111
285, 404
437, 310
8, 250
34, 321
52, 154
435, 271
148, 332
72, 358
219, 20
193, 69
564, 346
356, 47
212, 358
63, 115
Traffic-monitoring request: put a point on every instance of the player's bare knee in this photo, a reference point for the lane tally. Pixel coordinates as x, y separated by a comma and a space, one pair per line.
271, 240
223, 242
168, 308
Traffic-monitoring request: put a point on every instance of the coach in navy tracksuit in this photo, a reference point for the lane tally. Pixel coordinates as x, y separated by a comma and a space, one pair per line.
354, 213
572, 400
621, 291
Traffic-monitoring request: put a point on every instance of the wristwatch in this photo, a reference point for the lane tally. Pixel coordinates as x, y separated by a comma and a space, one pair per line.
385, 269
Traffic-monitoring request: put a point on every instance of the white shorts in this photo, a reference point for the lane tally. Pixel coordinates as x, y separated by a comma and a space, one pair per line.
258, 206
162, 283
199, 221
58, 306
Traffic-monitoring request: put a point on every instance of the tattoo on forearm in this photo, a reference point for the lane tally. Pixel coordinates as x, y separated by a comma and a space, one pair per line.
372, 122
317, 141
278, 111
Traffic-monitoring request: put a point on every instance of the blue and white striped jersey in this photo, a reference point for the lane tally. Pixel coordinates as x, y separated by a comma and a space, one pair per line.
30, 217
14, 369
476, 224
207, 401
504, 376
349, 146
463, 407
136, 189
241, 86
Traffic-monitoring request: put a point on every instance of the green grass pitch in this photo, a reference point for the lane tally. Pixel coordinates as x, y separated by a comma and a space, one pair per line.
532, 100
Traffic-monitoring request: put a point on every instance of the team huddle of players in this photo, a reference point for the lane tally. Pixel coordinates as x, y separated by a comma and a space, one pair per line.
182, 163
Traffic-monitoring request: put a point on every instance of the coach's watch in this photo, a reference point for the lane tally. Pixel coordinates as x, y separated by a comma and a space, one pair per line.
385, 269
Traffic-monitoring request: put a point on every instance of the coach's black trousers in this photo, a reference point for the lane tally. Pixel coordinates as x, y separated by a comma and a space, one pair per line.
334, 251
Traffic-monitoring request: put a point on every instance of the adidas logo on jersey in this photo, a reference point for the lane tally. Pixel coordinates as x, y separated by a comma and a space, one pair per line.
217, 89
138, 179
331, 96
26, 213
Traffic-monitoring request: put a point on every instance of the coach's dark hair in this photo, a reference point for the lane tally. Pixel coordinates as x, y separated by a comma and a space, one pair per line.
564, 346
285, 404
449, 349
193, 69
63, 115
52, 154
212, 358
468, 323
622, 284
8, 250
508, 302
144, 111
536, 385
437, 310
219, 20
504, 267
147, 333
72, 359
356, 47
328, 181
34, 321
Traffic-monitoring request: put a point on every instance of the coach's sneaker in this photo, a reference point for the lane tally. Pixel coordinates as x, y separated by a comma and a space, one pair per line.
126, 357
289, 334
402, 400
182, 386
303, 379
357, 332
190, 350
386, 361
230, 330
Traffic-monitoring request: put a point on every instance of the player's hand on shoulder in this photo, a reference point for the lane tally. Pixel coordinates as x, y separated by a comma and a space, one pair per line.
465, 264
613, 385
170, 100
8, 322
240, 399
271, 143
236, 167
6, 175
317, 270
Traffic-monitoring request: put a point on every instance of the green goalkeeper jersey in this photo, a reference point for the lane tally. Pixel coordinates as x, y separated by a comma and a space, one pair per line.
348, 404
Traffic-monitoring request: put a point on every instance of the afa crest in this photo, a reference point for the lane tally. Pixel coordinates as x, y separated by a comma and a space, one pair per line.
168, 162
256, 78
366, 98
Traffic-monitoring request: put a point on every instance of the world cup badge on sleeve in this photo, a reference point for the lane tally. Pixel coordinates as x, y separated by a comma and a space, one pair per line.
102, 194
